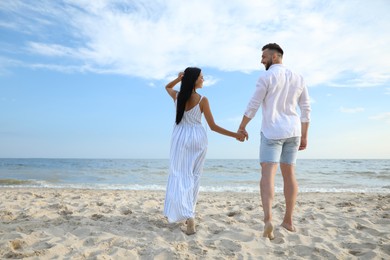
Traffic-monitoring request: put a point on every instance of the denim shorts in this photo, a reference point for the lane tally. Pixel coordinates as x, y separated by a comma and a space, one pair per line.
279, 150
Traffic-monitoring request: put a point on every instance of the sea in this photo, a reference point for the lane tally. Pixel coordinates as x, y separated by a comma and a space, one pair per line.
218, 175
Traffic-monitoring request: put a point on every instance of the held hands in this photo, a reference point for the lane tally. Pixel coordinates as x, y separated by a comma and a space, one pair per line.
242, 135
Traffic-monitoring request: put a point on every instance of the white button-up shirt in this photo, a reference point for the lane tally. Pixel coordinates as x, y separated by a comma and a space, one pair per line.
280, 91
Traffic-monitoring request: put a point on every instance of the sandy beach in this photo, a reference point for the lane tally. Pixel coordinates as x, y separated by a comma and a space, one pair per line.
119, 224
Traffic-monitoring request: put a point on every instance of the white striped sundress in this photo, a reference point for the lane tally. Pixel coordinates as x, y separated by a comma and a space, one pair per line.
187, 156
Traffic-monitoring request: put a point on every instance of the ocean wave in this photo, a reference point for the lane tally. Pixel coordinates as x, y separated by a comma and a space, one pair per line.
14, 182
218, 175
240, 189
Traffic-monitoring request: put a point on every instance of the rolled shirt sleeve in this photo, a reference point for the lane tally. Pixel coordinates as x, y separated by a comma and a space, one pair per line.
304, 105
257, 98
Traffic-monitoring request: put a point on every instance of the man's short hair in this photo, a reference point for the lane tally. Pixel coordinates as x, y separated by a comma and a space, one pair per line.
274, 47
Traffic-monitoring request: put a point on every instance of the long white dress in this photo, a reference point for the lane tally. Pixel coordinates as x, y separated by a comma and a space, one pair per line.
187, 156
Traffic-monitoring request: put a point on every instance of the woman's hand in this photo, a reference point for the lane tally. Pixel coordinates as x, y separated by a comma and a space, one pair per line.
242, 135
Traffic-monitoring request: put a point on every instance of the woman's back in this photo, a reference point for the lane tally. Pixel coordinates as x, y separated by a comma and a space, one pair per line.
192, 114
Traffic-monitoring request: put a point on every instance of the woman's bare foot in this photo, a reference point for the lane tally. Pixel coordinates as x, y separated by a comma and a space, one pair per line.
190, 226
290, 228
269, 231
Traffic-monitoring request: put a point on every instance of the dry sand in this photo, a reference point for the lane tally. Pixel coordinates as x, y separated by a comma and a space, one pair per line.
105, 224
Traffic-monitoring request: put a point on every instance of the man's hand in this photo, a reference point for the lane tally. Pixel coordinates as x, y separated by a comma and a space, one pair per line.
244, 135
303, 144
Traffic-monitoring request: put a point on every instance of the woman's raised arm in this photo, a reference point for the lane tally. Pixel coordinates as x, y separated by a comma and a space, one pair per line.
170, 85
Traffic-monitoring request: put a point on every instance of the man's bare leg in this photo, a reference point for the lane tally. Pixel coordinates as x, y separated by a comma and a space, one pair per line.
267, 192
290, 194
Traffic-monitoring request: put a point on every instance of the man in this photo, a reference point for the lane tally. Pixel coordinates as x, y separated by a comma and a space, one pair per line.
283, 131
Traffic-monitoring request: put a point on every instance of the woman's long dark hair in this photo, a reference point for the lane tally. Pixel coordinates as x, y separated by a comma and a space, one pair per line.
191, 74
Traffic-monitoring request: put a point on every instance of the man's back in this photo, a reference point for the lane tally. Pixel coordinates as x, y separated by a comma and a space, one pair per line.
280, 91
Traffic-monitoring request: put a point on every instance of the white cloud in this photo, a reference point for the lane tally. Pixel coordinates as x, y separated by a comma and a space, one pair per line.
8, 25
387, 92
54, 50
6, 63
209, 80
382, 117
351, 110
332, 43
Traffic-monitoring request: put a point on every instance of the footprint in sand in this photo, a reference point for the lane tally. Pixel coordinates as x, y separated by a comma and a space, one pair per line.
197, 248
233, 213
345, 204
358, 246
360, 250
6, 215
17, 255
250, 207
126, 211
16, 244
214, 229
96, 216
385, 248
65, 212
229, 246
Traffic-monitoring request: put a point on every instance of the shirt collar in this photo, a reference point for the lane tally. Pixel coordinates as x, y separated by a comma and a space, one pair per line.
276, 65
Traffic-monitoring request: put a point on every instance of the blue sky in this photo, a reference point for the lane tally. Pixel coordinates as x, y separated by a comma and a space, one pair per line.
85, 79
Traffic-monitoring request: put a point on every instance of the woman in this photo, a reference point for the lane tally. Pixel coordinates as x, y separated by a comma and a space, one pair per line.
188, 147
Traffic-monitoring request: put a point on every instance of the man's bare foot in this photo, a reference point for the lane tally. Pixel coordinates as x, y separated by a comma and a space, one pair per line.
190, 226
269, 231
290, 228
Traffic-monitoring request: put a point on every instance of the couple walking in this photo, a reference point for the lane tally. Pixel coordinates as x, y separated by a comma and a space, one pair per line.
283, 132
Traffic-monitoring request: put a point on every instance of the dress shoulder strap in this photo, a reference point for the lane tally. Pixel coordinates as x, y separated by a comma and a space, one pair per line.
200, 99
